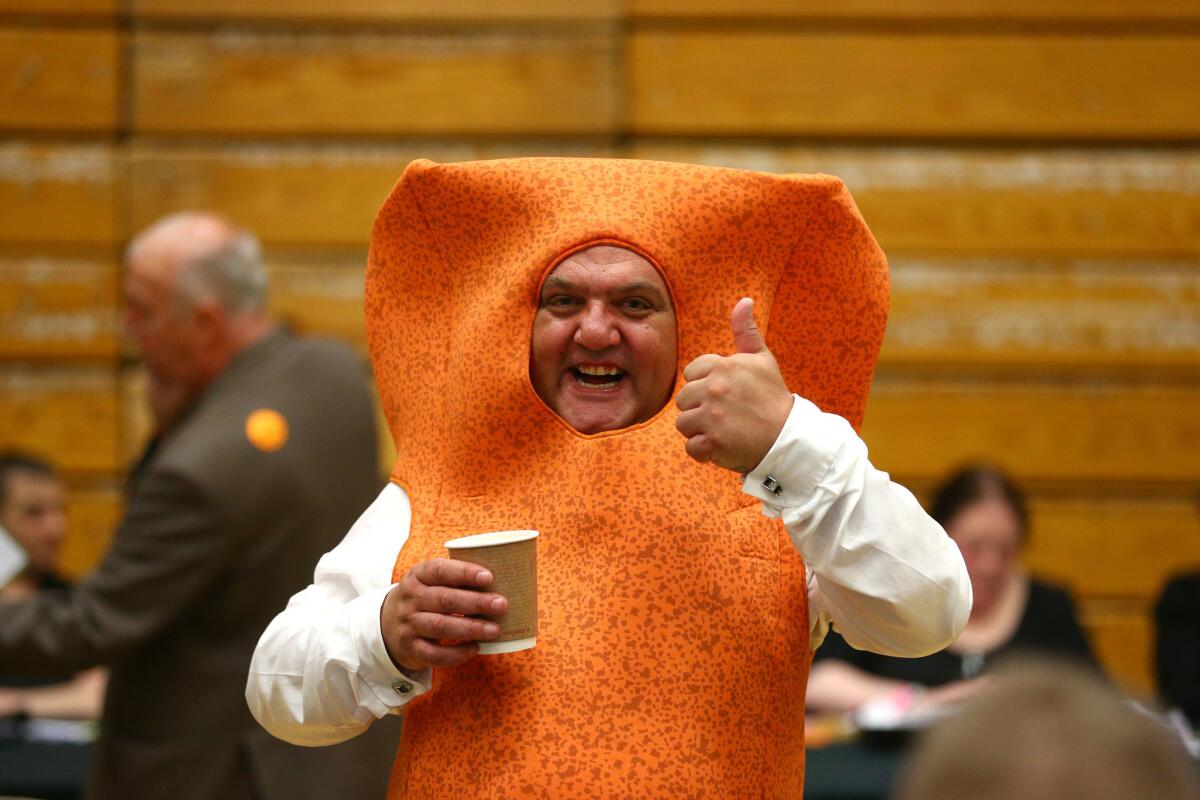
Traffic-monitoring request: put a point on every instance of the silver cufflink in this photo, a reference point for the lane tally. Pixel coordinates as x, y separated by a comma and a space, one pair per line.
402, 687
773, 486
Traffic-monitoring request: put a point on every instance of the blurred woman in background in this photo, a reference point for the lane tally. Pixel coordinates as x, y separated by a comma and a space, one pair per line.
985, 515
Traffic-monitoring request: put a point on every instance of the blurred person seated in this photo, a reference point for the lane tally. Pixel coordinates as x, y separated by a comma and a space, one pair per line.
1049, 730
1177, 643
33, 512
985, 514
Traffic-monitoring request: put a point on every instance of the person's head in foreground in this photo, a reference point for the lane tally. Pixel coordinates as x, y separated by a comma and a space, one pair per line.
195, 292
33, 508
1049, 731
985, 514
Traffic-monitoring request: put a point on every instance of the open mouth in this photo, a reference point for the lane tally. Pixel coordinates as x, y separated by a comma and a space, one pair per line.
598, 377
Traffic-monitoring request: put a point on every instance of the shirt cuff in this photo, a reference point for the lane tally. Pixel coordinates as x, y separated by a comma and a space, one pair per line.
392, 686
800, 457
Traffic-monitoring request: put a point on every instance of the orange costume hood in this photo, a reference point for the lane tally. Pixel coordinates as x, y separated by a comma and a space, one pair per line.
673, 641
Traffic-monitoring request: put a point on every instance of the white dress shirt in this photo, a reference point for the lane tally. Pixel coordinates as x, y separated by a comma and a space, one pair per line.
879, 569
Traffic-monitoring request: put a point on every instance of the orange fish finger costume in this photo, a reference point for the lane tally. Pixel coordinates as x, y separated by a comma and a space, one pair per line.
673, 645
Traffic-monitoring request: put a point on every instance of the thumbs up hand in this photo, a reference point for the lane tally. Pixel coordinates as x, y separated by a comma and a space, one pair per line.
733, 407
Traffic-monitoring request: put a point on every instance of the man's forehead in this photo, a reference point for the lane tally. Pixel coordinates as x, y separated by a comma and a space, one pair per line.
626, 269
32, 482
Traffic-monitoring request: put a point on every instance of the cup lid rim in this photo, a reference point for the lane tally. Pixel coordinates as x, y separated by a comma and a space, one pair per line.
491, 539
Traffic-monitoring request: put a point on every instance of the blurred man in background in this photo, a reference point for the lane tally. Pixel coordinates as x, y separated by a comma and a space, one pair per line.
33, 512
1049, 731
264, 451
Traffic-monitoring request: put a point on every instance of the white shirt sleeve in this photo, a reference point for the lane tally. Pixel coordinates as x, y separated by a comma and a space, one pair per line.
881, 570
320, 672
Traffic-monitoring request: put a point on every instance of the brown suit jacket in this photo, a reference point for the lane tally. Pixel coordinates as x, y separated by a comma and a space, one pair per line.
216, 537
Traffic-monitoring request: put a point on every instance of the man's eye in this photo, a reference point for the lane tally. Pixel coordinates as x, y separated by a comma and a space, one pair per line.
559, 301
638, 304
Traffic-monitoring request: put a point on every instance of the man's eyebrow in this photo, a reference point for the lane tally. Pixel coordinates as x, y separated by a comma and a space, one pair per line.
557, 282
639, 285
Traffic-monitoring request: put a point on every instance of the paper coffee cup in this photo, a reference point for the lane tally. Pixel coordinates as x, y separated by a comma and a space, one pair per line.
511, 556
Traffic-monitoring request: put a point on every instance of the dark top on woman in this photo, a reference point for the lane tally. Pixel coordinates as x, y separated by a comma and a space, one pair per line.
1177, 618
1048, 625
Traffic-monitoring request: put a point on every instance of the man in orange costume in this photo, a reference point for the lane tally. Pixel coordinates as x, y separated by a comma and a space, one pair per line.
530, 321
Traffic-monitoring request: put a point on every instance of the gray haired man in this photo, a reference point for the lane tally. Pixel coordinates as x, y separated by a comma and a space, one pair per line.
264, 453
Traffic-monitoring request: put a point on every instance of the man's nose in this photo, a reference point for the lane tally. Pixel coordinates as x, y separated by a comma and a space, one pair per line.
596, 329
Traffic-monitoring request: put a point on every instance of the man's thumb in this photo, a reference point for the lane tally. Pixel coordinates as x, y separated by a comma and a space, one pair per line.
746, 336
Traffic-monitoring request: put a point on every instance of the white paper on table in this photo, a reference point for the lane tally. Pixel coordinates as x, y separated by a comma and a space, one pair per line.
12, 558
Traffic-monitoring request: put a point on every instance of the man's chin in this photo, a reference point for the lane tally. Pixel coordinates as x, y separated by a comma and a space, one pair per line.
588, 420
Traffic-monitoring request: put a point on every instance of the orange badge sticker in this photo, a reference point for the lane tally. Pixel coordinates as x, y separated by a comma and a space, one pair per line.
266, 429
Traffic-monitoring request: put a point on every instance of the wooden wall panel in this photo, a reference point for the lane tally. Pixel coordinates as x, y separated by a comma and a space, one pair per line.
63, 193
922, 10
321, 293
289, 196
310, 195
1127, 435
58, 80
349, 11
1110, 202
883, 85
57, 306
1062, 316
66, 8
354, 84
92, 516
70, 415
1110, 546
1123, 640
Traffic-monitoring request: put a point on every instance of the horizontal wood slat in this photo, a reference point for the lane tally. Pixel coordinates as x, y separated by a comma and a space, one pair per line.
275, 83
57, 306
1102, 546
1047, 432
58, 80
918, 10
345, 11
1064, 316
60, 8
1038, 201
320, 293
67, 414
914, 85
62, 193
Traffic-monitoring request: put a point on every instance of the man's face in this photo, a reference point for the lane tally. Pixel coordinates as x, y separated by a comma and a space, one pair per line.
34, 514
153, 319
604, 351
988, 533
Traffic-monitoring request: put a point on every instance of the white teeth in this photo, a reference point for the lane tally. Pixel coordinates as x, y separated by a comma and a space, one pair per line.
585, 384
587, 370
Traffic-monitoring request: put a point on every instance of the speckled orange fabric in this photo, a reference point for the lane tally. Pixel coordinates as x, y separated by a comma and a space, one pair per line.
673, 644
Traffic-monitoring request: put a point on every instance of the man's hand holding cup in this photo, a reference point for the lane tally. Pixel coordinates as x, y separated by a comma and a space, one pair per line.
428, 618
